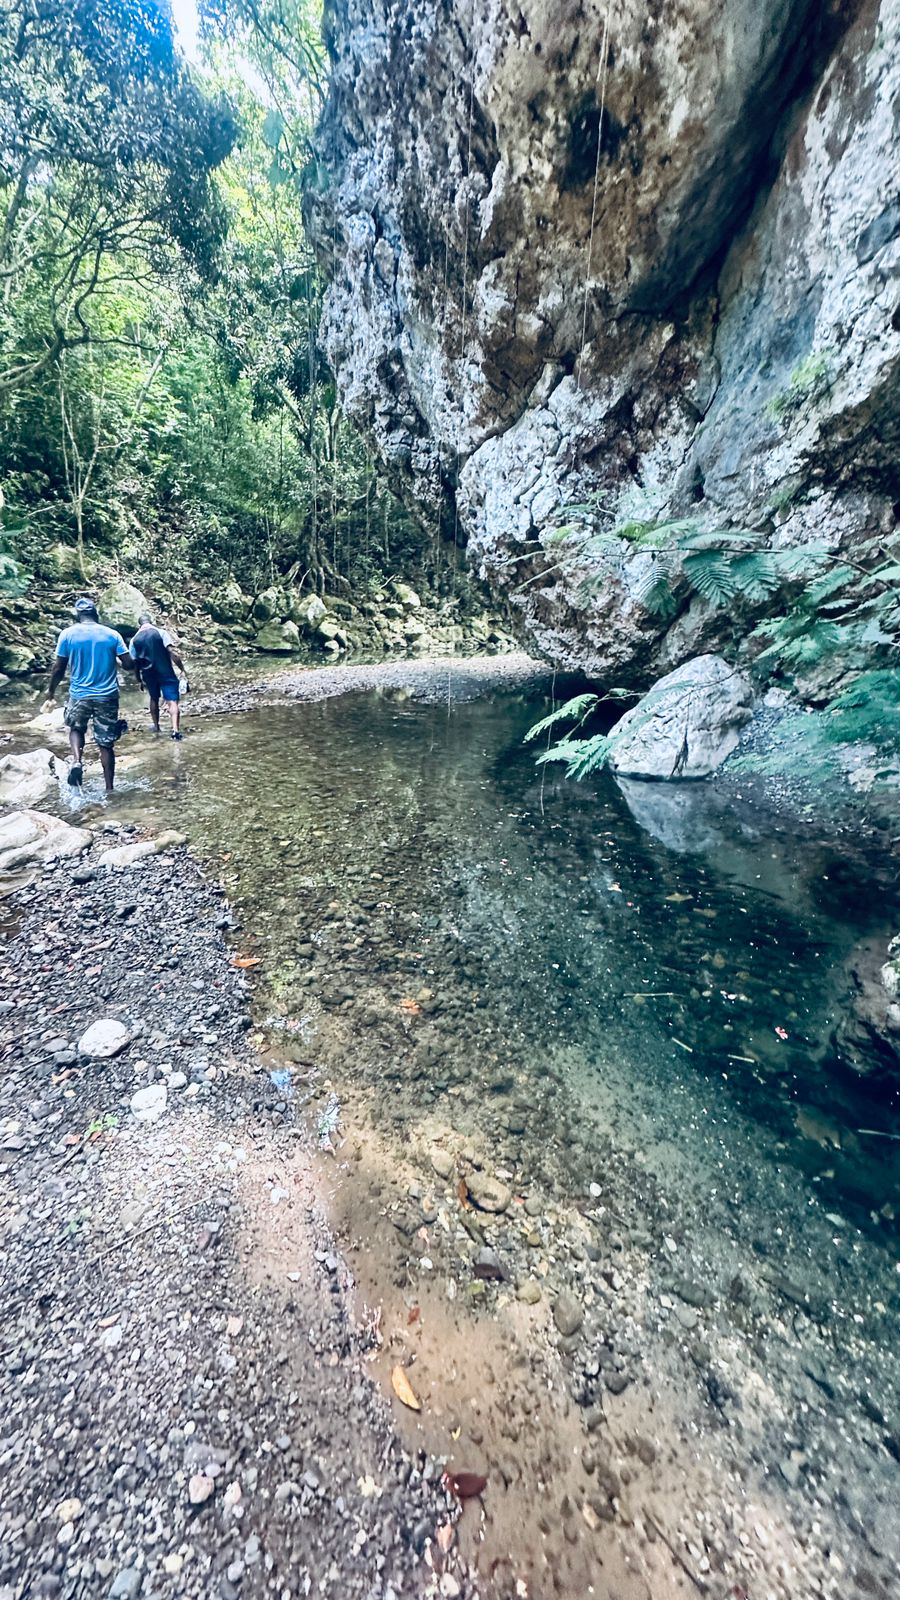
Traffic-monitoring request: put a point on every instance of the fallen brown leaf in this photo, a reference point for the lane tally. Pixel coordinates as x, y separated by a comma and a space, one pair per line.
465, 1485
404, 1390
414, 1315
411, 1007
462, 1191
246, 961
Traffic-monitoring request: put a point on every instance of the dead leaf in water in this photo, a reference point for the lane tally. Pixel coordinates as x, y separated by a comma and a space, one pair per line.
411, 1007
465, 1485
814, 1125
246, 961
404, 1390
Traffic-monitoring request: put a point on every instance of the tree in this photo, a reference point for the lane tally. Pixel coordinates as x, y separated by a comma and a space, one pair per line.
107, 148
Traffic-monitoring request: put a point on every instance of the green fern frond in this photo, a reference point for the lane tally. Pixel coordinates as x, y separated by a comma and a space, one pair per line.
830, 583
712, 575
581, 756
755, 576
575, 710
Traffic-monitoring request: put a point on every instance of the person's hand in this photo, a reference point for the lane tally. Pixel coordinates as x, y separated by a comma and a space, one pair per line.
48, 705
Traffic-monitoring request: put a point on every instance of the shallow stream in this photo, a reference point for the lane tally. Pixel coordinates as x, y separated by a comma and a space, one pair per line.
679, 949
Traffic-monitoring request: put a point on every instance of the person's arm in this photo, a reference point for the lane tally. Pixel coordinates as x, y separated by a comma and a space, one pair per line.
175, 655
57, 674
137, 665
57, 671
126, 660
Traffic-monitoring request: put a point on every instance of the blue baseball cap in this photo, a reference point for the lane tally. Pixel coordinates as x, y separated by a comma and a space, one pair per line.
84, 604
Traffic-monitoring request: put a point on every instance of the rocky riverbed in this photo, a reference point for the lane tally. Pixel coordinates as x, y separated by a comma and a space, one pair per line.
186, 1404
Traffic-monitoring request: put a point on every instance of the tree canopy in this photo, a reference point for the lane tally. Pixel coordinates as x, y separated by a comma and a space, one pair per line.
163, 399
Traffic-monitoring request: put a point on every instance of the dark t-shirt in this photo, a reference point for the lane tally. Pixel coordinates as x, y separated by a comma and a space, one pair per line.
150, 648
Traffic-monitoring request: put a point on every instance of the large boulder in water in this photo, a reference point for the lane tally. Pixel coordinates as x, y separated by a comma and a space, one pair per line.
121, 606
686, 725
26, 777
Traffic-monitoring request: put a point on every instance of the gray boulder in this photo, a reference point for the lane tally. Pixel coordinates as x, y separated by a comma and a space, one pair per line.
686, 725
267, 605
28, 836
228, 604
122, 605
26, 777
278, 638
308, 612
16, 659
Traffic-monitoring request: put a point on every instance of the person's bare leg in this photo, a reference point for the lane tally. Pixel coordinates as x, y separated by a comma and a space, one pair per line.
108, 763
175, 713
76, 745
154, 714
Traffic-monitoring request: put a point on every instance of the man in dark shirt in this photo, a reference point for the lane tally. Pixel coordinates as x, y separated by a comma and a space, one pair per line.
91, 652
158, 664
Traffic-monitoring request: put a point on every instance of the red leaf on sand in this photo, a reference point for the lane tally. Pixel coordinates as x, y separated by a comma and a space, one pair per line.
414, 1315
465, 1485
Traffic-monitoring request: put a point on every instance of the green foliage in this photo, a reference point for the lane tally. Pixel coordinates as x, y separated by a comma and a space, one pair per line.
167, 403
686, 554
576, 710
581, 756
107, 148
809, 382
867, 712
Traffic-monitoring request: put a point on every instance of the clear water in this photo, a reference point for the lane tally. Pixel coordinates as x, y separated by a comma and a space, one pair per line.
679, 959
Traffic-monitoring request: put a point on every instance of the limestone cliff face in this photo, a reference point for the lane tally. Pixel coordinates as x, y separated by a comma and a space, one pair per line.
690, 303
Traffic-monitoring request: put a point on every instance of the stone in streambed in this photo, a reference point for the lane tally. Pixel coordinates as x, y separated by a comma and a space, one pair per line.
127, 1584
103, 1039
27, 836
529, 1292
127, 855
567, 1314
26, 777
200, 1489
488, 1193
443, 1164
148, 1104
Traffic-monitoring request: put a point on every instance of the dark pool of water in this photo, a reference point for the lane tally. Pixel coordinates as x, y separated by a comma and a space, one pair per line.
680, 957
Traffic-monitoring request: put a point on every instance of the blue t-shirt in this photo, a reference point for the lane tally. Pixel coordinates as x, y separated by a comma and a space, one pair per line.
91, 651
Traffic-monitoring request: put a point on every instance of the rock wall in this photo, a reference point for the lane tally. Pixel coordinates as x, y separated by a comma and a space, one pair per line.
619, 247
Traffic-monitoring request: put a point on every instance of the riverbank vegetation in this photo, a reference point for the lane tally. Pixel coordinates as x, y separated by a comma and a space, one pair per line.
164, 405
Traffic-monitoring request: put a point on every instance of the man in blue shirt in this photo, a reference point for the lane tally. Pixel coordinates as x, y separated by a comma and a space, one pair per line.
91, 652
